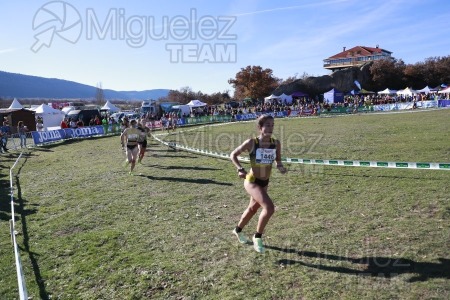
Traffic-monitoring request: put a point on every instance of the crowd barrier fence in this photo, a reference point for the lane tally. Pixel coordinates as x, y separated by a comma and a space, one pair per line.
23, 294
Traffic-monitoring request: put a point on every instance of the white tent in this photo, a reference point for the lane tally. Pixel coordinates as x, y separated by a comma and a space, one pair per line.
15, 105
425, 90
445, 91
387, 92
286, 98
269, 99
51, 117
110, 107
196, 103
407, 92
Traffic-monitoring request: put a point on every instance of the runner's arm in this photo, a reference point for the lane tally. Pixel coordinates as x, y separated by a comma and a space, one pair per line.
245, 146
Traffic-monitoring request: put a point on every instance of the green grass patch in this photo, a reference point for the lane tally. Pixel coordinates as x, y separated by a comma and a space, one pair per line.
88, 230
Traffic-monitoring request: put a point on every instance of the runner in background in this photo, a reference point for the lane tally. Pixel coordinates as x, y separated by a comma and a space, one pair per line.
144, 131
129, 138
174, 121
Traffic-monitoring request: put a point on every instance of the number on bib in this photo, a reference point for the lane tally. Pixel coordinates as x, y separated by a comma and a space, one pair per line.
265, 156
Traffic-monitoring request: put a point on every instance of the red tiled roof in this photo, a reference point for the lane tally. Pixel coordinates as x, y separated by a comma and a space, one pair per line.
358, 51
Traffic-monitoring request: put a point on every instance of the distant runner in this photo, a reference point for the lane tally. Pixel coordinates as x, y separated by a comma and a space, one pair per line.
129, 138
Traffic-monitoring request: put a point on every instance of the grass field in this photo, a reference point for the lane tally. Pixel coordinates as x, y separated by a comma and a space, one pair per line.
88, 230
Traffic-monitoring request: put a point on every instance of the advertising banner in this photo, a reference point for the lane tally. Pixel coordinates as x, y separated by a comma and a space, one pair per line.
427, 104
443, 103
42, 137
83, 132
252, 116
245, 117
337, 110
393, 106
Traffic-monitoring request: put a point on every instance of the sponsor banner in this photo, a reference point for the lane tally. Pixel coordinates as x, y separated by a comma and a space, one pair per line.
111, 128
382, 107
154, 124
280, 114
393, 106
42, 137
427, 104
181, 121
245, 117
193, 120
206, 119
303, 113
220, 118
338, 110
365, 108
348, 109
444, 103
252, 116
196, 120
83, 132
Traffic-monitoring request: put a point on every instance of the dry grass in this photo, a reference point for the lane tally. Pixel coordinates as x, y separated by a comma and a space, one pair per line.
87, 230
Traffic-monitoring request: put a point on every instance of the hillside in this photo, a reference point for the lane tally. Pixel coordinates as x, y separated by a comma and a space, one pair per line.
13, 85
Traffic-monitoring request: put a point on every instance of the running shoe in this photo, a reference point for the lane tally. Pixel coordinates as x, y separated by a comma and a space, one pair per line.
258, 245
241, 237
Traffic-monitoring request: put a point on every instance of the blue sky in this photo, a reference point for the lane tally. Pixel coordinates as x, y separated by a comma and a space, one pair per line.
127, 45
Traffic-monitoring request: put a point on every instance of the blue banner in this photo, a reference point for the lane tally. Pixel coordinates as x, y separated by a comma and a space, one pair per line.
443, 103
42, 137
244, 117
181, 122
427, 104
82, 132
252, 116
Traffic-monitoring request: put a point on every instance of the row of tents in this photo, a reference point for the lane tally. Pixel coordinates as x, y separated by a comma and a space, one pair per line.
335, 95
43, 108
410, 92
50, 116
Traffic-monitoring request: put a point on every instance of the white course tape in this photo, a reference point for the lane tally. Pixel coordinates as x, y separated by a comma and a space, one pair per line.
329, 162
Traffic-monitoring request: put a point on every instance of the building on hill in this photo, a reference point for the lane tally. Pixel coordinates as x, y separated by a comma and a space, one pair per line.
355, 57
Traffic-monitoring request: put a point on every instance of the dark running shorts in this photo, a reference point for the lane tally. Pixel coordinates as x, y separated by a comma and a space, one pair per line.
257, 181
143, 144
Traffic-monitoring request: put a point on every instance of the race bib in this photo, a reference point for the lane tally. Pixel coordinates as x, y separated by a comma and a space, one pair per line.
132, 137
265, 156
